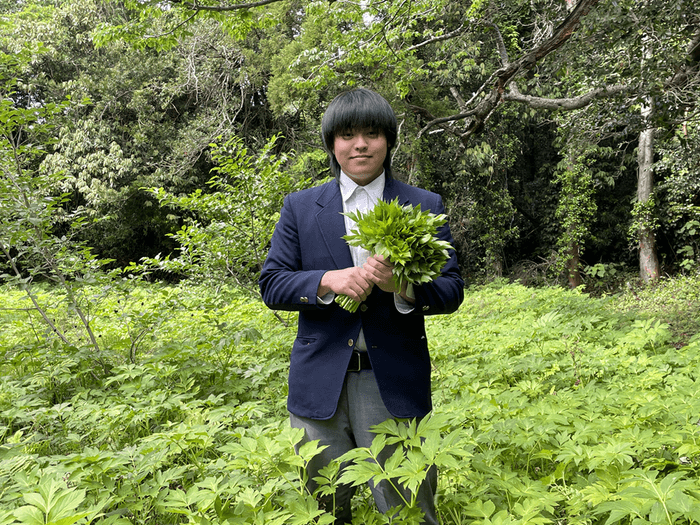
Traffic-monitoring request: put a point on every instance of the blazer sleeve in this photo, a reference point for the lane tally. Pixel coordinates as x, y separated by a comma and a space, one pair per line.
284, 283
445, 293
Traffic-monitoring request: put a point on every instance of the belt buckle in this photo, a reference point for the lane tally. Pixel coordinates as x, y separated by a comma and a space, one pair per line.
356, 361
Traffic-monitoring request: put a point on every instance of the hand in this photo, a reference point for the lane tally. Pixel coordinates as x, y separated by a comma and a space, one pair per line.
380, 271
353, 282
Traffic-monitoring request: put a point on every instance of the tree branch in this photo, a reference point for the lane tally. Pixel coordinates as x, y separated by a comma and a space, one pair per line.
500, 43
500, 79
566, 104
458, 97
32, 297
222, 8
691, 68
174, 29
440, 38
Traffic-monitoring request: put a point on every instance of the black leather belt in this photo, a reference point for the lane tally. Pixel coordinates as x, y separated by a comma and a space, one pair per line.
359, 361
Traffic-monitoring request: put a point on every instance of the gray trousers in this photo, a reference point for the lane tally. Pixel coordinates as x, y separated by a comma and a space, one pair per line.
359, 408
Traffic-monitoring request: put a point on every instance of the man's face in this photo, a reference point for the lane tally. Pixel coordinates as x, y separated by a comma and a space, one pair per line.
361, 154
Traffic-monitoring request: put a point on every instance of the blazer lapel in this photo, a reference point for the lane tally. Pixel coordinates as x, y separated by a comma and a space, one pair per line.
392, 190
331, 223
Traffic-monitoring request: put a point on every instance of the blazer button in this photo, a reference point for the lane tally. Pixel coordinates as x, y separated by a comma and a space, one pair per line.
363, 308
351, 342
304, 299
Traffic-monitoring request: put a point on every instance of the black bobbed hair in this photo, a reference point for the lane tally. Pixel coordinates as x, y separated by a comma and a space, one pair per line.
358, 109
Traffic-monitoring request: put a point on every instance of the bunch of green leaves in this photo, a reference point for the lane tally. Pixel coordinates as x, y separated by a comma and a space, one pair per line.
406, 236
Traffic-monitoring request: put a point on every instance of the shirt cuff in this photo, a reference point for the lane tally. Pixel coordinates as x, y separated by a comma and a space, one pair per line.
402, 305
326, 299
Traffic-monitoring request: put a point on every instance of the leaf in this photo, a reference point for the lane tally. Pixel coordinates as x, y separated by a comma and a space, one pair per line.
6, 518
69, 520
394, 461
310, 449
658, 513
619, 510
29, 515
65, 503
377, 445
480, 509
361, 472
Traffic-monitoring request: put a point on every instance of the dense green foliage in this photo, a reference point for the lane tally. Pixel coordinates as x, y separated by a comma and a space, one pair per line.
226, 231
162, 137
551, 406
153, 86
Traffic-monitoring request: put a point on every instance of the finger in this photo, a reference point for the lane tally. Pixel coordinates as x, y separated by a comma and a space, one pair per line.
376, 268
377, 260
361, 285
382, 271
361, 295
383, 260
366, 289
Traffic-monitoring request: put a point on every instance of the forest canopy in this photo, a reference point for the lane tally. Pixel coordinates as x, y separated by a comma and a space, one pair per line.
563, 136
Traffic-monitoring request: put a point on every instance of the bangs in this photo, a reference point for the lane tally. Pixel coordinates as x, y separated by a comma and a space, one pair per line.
358, 109
357, 118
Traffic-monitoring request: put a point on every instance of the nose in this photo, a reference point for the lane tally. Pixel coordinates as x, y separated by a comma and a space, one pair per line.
360, 141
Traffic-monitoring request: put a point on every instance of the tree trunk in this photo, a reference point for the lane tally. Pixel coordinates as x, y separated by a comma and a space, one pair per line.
573, 250
575, 213
573, 271
648, 259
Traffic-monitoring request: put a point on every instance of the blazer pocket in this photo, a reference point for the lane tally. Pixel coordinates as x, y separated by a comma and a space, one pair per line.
304, 341
304, 353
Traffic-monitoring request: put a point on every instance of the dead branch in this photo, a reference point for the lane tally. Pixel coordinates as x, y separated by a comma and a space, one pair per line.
461, 29
500, 79
566, 104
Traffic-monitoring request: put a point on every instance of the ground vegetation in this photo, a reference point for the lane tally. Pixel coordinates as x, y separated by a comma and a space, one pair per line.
551, 406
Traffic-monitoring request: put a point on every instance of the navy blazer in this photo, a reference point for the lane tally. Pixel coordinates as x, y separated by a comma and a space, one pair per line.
307, 242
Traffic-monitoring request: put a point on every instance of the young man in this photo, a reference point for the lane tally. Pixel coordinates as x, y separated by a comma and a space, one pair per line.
351, 371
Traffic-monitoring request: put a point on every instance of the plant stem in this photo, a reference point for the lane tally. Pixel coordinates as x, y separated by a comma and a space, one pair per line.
348, 304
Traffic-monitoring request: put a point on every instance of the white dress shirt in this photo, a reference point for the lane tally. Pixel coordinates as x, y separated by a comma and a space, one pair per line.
362, 198
359, 199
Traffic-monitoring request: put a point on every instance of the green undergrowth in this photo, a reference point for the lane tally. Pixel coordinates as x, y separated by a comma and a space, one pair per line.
675, 301
550, 407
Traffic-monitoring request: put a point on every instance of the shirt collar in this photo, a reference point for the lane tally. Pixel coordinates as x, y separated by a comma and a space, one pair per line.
375, 189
